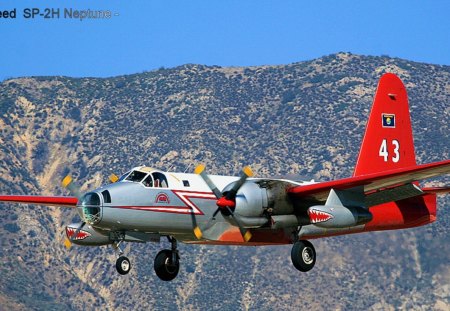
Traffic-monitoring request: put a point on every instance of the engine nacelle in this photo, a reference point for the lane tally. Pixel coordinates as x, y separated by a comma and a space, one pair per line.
338, 216
87, 236
250, 199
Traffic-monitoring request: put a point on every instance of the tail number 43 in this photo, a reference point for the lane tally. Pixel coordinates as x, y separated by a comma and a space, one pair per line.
383, 152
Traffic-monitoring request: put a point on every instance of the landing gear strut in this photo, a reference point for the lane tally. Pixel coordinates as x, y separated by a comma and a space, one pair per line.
167, 262
303, 255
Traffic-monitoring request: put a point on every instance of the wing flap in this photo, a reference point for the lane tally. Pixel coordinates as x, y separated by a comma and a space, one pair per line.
40, 200
373, 182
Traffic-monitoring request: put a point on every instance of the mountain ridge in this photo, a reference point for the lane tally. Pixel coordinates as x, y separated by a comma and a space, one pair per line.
304, 118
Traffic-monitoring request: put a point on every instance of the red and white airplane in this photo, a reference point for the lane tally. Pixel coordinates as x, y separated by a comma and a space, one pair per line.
146, 204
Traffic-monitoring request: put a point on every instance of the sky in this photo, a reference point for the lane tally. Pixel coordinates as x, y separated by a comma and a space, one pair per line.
147, 35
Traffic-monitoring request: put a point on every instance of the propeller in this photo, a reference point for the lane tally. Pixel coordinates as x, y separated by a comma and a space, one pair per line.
75, 191
226, 202
73, 188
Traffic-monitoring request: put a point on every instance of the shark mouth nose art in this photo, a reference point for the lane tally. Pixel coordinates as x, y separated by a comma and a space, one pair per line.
317, 216
80, 236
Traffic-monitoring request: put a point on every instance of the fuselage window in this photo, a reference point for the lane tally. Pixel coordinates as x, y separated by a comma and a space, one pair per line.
148, 182
160, 180
136, 176
106, 196
186, 183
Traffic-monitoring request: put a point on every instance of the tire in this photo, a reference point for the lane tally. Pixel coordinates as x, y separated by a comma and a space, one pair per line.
164, 268
303, 255
123, 265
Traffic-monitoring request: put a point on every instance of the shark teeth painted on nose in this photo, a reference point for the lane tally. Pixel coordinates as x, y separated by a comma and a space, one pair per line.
80, 236
316, 216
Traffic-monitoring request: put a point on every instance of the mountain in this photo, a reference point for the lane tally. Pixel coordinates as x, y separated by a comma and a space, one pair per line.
305, 118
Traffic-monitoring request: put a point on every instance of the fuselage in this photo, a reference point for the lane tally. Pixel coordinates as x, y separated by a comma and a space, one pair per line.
153, 202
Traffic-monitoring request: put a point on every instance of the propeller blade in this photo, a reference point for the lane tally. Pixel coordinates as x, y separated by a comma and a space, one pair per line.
67, 243
113, 178
246, 234
197, 231
215, 213
70, 185
77, 231
246, 173
200, 170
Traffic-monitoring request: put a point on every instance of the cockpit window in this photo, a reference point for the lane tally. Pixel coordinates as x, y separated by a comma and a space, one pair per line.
136, 176
148, 182
123, 176
160, 180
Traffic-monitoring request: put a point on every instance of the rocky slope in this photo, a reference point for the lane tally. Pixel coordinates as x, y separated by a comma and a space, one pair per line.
304, 118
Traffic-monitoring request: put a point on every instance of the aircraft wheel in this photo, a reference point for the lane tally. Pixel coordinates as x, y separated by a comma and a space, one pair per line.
303, 255
164, 266
123, 265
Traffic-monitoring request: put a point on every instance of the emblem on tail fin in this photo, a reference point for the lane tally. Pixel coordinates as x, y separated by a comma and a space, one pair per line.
388, 120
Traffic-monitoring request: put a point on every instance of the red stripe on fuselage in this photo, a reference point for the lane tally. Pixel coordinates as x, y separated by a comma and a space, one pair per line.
184, 196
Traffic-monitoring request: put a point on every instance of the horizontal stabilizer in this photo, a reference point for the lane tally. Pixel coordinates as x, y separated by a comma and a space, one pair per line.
437, 190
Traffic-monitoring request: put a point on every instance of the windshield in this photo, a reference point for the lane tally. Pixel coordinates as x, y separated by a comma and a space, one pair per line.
136, 176
124, 175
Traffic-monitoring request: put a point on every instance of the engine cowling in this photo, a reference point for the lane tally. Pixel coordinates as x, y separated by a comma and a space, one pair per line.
87, 236
338, 216
250, 199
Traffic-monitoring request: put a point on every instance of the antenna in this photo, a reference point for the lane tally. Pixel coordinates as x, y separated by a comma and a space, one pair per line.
190, 164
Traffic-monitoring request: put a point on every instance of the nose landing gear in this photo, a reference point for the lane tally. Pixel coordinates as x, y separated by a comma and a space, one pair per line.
123, 264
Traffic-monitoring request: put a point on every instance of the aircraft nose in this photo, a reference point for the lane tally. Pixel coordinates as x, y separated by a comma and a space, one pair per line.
91, 208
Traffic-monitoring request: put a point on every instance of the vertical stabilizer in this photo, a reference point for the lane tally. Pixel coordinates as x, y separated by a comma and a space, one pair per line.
388, 140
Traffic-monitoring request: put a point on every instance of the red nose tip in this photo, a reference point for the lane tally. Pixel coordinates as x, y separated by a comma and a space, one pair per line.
223, 202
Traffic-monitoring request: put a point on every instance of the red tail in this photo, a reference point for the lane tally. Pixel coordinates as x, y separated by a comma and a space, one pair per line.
388, 142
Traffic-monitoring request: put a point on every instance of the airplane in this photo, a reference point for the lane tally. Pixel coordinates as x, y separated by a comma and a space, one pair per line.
147, 204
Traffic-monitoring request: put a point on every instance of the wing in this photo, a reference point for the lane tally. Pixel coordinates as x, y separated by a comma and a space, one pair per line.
390, 185
40, 200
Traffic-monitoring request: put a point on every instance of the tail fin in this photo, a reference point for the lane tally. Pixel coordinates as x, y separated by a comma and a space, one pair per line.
388, 142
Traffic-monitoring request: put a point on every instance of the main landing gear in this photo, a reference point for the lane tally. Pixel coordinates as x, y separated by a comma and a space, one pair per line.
167, 262
303, 255
166, 265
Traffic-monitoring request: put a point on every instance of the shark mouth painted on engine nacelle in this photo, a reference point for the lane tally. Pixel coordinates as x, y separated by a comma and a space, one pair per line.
318, 216
80, 236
